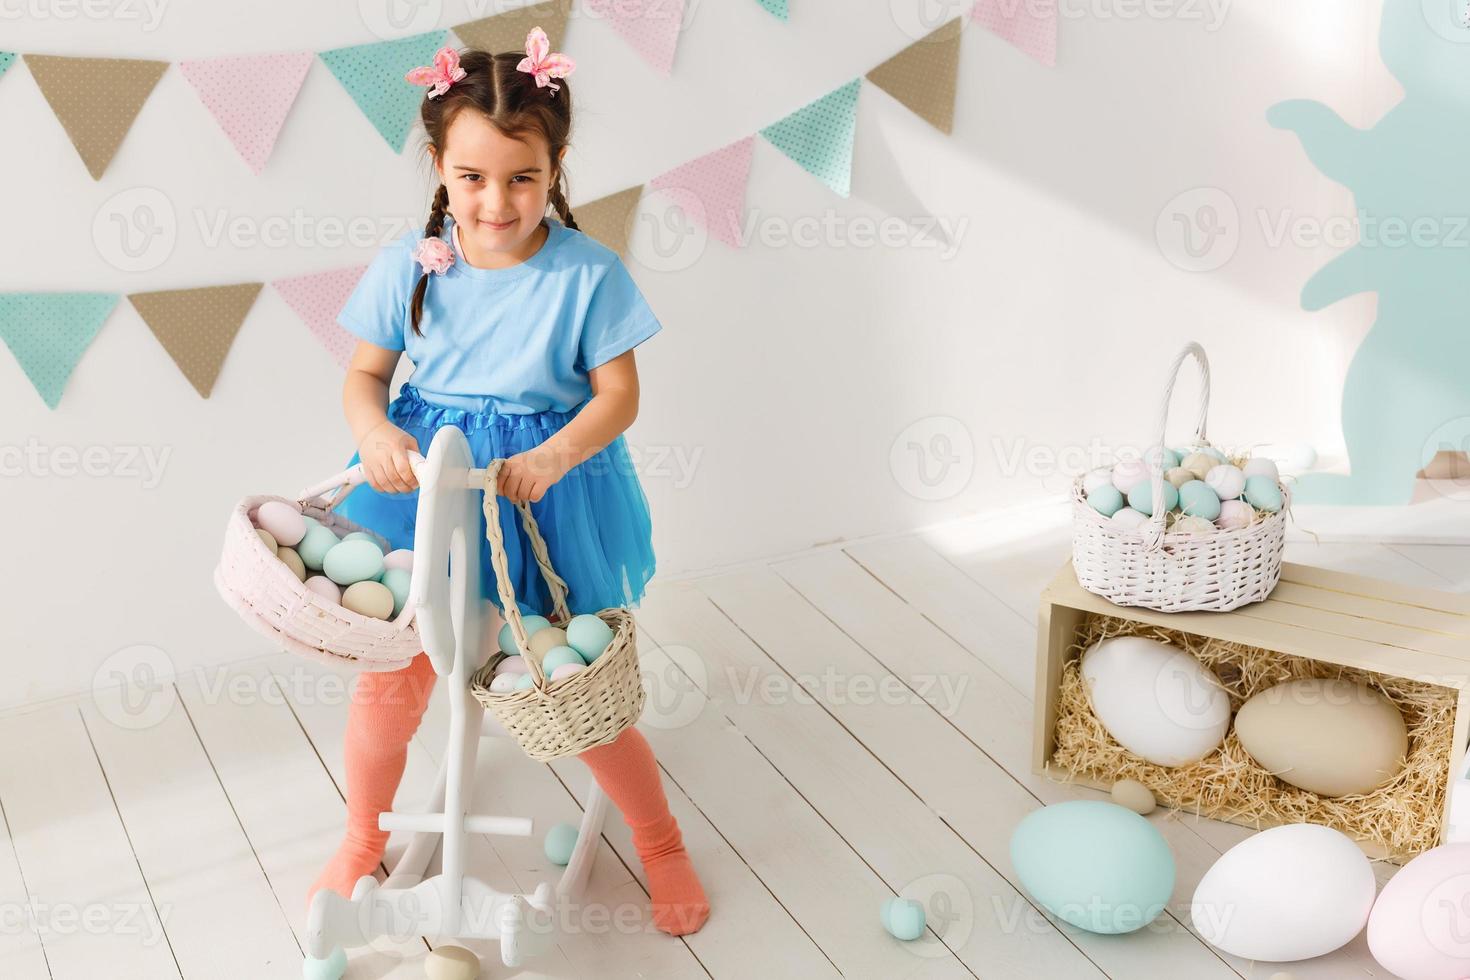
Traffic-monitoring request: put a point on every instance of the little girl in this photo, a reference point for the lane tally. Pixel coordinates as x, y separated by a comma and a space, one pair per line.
521, 330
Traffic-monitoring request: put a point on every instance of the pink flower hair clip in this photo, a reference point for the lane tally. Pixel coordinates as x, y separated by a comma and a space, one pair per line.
434, 254
541, 62
444, 72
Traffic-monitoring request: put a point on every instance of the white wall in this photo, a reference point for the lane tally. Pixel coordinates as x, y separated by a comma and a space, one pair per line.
785, 373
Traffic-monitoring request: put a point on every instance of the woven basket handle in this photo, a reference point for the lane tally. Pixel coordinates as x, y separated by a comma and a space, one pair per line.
346, 480
500, 561
1154, 530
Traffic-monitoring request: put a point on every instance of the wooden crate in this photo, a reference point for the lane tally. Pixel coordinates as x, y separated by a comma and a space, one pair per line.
1420, 634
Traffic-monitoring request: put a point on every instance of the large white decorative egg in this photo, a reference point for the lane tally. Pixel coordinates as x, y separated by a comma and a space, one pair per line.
1159, 702
1288, 893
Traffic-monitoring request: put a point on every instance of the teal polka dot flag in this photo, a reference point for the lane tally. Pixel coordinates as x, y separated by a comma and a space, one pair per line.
5, 60
49, 332
819, 136
777, 7
373, 75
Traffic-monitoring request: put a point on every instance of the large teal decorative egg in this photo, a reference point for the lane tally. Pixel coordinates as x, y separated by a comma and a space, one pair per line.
1262, 493
558, 657
1094, 864
506, 640
353, 561
1105, 499
1141, 497
1198, 499
588, 635
314, 546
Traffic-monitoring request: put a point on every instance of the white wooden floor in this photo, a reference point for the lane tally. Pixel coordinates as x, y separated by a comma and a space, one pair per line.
177, 839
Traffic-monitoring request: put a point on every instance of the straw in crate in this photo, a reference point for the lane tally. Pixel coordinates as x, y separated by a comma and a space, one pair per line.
589, 707
271, 599
1173, 572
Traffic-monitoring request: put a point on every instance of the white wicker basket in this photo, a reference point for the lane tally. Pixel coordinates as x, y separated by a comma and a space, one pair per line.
271, 599
1176, 572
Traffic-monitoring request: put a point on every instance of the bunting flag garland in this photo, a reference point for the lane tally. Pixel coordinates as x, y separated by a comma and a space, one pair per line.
924, 75
6, 60
317, 299
610, 219
819, 136
507, 31
49, 332
777, 7
711, 189
249, 97
1030, 26
197, 326
373, 75
651, 27
95, 99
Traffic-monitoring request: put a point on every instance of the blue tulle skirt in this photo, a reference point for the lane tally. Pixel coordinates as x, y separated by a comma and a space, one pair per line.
595, 519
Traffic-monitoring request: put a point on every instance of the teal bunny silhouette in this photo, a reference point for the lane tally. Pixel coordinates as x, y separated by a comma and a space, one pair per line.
1407, 392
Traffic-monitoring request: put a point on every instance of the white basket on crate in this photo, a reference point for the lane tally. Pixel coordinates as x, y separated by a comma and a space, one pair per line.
1175, 572
271, 599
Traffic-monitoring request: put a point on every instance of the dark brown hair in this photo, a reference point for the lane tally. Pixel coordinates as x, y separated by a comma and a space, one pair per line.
510, 99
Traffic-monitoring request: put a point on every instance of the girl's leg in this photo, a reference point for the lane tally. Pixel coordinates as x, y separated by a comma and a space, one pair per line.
628, 773
384, 714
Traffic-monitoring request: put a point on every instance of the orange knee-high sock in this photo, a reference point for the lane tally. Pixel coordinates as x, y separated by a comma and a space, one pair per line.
628, 773
385, 712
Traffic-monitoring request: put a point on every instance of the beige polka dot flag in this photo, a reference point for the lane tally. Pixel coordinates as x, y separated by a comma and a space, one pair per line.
95, 100
197, 326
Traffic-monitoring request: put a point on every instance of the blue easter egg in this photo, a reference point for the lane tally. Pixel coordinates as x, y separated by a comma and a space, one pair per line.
559, 657
1141, 497
507, 642
358, 536
1262, 493
314, 547
353, 561
1198, 499
1169, 457
903, 918
525, 681
559, 843
1095, 864
589, 636
1106, 499
331, 968
397, 580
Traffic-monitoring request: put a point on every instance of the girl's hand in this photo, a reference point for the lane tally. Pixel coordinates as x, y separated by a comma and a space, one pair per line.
528, 475
384, 456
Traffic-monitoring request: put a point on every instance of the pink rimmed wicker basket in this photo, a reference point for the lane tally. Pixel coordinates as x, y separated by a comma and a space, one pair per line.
271, 599
1176, 572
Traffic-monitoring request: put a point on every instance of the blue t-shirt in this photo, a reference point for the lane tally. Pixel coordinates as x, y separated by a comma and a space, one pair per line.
514, 340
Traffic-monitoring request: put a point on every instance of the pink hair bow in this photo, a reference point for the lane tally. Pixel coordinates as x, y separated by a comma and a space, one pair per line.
541, 62
444, 72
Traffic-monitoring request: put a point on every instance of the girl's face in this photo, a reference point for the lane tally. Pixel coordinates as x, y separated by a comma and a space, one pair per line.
498, 190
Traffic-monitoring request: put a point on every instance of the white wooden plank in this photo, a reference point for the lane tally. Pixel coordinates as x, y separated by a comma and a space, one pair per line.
1013, 558
928, 754
1364, 558
286, 801
225, 921
92, 904
21, 955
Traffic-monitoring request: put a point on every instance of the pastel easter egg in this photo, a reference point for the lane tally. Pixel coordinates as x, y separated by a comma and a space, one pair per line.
1285, 893
292, 561
1134, 795
401, 558
903, 918
589, 636
1227, 481
397, 581
1094, 864
1418, 925
1155, 699
512, 665
503, 683
325, 588
270, 542
544, 640
565, 671
1193, 525
1106, 500
525, 682
1198, 499
1163, 455
353, 561
311, 522
1332, 737
533, 625
1127, 473
1263, 493
369, 598
557, 656
1129, 519
560, 842
1178, 477
1199, 464
1092, 479
314, 547
283, 521
1141, 497
1261, 466
359, 536
1234, 515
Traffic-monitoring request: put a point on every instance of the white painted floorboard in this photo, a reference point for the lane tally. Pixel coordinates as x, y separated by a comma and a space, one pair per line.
833, 728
